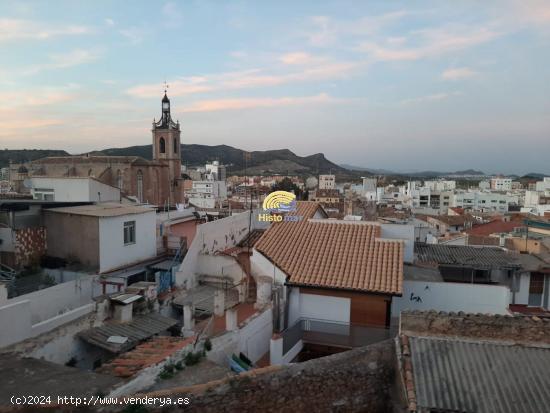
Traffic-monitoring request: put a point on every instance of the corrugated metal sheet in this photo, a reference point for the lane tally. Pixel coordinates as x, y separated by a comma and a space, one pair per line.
462, 376
139, 329
488, 257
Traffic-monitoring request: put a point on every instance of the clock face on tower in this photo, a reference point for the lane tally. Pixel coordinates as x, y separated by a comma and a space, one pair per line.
165, 106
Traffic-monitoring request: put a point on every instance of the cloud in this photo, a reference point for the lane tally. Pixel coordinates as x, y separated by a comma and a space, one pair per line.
529, 13
109, 22
238, 54
134, 34
324, 33
37, 97
61, 61
19, 29
457, 73
430, 98
172, 17
432, 43
254, 103
251, 78
300, 58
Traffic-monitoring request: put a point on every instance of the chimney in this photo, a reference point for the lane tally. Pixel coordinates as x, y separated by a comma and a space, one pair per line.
123, 312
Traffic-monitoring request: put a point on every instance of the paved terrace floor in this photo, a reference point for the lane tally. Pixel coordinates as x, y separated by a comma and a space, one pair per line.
29, 376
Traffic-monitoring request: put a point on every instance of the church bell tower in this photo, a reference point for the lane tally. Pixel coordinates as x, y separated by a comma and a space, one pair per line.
166, 142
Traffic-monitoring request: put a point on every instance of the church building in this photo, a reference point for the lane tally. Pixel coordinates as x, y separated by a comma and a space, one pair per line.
157, 181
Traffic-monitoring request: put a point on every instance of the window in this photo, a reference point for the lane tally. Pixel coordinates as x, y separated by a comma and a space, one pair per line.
140, 185
175, 145
162, 145
119, 179
129, 232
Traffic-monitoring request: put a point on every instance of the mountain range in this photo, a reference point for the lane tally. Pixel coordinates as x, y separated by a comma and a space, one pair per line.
278, 161
239, 162
423, 174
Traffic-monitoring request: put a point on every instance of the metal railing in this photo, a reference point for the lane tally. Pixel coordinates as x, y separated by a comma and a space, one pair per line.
334, 334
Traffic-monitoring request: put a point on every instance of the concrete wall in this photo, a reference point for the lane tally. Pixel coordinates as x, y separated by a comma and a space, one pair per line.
401, 231
187, 229
252, 339
57, 299
100, 192
213, 237
8, 240
442, 296
33, 314
294, 313
112, 251
15, 322
522, 296
61, 344
220, 265
76, 189
276, 355
65, 237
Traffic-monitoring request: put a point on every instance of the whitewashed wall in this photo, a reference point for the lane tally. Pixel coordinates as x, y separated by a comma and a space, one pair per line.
323, 307
77, 189
442, 296
112, 251
212, 237
261, 266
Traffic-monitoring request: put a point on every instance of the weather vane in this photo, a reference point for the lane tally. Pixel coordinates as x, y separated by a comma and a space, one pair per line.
166, 86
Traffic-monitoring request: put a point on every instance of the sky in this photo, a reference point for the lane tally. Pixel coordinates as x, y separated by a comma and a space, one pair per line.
406, 86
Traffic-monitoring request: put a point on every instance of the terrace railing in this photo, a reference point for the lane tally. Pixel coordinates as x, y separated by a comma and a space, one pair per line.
334, 333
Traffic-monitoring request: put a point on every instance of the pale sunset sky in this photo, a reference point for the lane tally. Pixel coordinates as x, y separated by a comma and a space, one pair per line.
400, 85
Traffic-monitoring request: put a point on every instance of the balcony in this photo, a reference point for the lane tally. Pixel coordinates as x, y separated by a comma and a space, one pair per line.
334, 334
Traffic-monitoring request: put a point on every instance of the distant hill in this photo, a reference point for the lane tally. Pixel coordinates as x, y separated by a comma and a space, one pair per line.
421, 174
23, 155
278, 161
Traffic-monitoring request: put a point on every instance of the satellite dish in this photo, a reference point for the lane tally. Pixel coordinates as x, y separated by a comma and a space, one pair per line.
27, 183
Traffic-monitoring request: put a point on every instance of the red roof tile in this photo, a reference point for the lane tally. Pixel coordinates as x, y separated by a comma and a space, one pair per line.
334, 254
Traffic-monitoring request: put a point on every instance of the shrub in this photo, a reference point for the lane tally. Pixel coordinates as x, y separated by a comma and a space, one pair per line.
191, 358
207, 344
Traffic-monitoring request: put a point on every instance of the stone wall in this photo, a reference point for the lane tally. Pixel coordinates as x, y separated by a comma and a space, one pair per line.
358, 380
517, 329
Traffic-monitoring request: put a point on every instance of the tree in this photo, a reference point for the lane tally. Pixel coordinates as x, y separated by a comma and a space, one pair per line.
287, 185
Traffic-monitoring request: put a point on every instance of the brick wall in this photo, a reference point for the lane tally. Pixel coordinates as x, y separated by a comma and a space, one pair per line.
517, 329
30, 245
358, 380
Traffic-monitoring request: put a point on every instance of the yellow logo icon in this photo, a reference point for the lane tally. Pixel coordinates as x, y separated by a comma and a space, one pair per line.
280, 201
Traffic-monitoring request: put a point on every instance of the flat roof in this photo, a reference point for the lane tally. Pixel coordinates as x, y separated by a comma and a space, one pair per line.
107, 209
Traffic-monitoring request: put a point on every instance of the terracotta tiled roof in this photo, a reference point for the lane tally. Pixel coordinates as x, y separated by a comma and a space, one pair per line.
146, 354
495, 227
460, 220
334, 254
